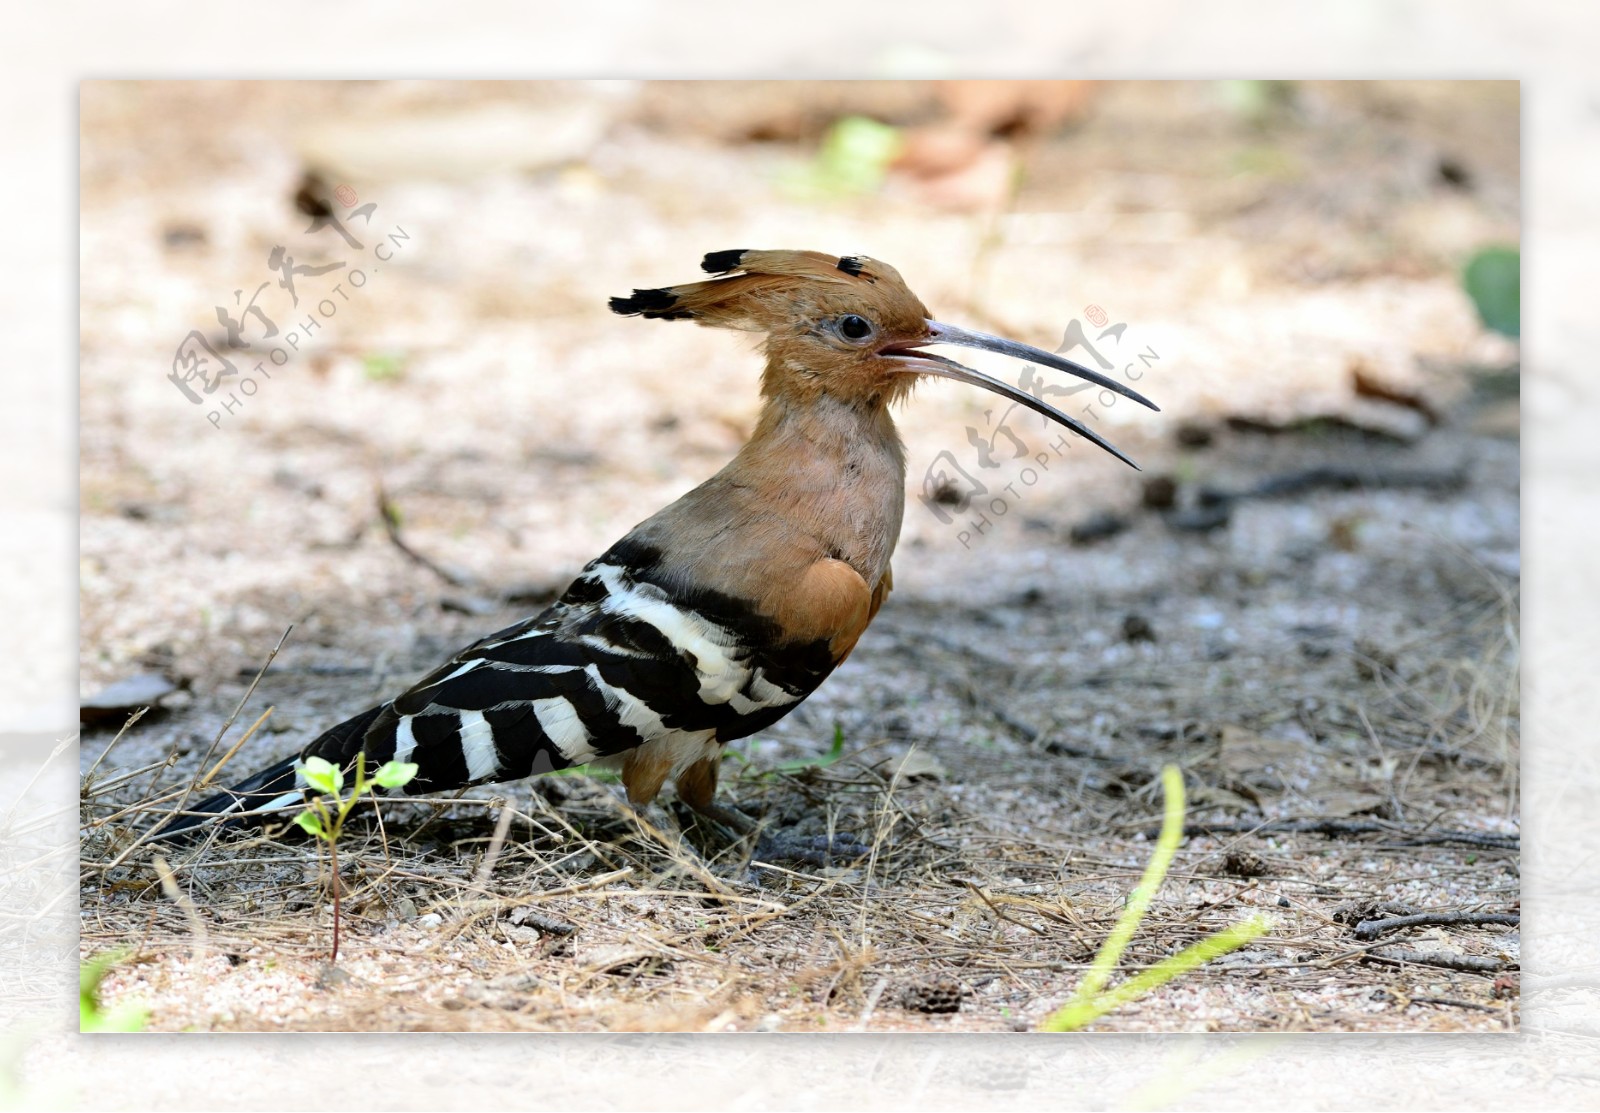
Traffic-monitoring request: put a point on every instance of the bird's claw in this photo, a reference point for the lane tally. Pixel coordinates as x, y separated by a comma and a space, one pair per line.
815, 850
781, 846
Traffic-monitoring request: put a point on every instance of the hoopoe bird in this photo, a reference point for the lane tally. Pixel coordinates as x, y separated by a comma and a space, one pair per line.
716, 616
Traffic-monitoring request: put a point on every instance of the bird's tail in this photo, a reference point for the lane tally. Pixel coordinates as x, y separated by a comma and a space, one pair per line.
270, 794
275, 792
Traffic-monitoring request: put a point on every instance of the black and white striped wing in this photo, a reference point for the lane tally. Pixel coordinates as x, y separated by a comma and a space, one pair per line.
617, 662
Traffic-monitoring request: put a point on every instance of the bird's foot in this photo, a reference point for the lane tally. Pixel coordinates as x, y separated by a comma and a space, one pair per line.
815, 850
783, 846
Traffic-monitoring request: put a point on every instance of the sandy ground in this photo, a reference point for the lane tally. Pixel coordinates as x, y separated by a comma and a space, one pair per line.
1321, 631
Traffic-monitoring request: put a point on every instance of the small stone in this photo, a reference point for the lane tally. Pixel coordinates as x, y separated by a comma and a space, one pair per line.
1373, 661
1137, 628
1097, 527
1202, 519
1244, 863
183, 235
113, 704
330, 976
1160, 492
934, 995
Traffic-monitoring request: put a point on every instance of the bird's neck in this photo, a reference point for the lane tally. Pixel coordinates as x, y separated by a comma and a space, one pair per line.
819, 479
827, 428
836, 469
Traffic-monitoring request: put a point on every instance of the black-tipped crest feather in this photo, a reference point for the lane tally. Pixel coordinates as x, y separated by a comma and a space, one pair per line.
722, 262
652, 304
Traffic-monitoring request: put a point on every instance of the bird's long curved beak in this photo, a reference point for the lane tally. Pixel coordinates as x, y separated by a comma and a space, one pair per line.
910, 359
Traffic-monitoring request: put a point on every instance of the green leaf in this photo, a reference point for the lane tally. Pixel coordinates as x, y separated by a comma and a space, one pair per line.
1258, 102
380, 367
128, 1017
312, 823
92, 1016
324, 776
1493, 280
856, 153
593, 772
853, 158
394, 774
90, 974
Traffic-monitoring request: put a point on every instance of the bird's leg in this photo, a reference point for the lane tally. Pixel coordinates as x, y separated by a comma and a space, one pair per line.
696, 786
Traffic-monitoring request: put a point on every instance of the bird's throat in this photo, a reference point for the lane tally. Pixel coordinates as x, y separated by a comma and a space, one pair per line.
838, 468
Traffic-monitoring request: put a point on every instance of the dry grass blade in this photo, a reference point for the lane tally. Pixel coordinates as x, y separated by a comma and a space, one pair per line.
138, 713
215, 742
227, 757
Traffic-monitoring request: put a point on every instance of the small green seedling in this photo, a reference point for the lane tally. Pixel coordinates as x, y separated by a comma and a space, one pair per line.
747, 757
1092, 1000
835, 752
325, 819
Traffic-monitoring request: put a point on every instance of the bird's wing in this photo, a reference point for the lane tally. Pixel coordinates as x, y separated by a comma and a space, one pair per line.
617, 662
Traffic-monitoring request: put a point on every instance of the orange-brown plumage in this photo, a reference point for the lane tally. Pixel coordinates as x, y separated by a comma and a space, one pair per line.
802, 523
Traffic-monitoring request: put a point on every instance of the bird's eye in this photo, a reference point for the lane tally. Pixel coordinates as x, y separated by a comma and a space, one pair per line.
852, 327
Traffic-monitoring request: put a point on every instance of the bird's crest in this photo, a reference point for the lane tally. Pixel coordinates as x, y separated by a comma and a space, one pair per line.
758, 291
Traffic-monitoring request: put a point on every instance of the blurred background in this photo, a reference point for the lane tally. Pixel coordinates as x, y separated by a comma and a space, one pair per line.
1294, 255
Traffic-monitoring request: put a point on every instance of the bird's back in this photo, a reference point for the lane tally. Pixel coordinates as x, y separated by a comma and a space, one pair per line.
625, 658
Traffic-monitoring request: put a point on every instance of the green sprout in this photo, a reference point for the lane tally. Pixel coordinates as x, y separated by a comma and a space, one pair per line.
835, 752
746, 758
1092, 1000
325, 819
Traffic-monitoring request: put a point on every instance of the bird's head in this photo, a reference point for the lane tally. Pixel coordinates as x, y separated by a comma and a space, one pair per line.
847, 327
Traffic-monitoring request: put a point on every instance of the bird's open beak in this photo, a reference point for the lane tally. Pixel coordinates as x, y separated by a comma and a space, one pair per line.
910, 359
